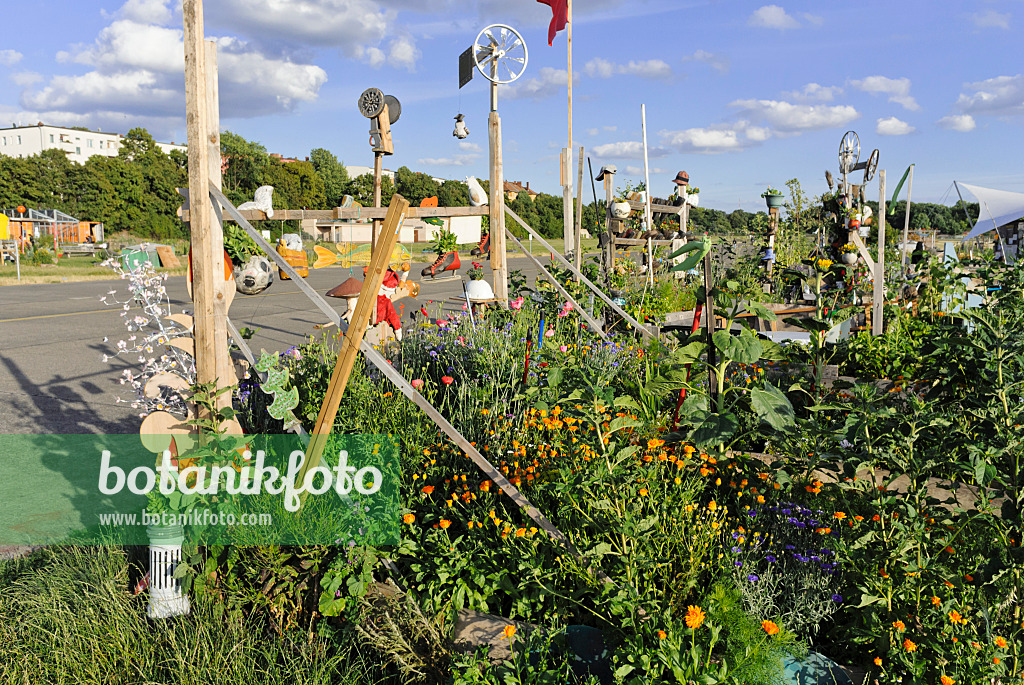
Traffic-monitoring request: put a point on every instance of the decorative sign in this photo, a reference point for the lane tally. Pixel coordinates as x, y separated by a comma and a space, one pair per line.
466, 65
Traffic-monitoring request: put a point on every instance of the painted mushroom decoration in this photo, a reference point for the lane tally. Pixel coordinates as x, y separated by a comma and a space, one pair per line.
349, 290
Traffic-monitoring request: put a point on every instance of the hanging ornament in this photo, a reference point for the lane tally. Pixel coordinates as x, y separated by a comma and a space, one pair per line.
461, 131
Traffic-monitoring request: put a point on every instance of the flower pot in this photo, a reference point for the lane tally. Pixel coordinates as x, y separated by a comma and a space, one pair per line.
165, 596
693, 200
479, 290
774, 200
849, 258
620, 210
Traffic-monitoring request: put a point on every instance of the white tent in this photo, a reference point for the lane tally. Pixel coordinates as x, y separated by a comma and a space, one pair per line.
998, 208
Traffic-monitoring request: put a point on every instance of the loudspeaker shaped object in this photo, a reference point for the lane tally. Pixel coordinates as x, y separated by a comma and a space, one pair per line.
254, 276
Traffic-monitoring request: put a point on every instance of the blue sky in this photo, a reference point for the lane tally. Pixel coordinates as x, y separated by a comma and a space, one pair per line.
741, 95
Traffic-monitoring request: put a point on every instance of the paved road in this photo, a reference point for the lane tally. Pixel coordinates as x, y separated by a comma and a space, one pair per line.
52, 342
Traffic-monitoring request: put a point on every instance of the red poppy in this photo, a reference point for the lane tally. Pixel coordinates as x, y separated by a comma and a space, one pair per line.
447, 380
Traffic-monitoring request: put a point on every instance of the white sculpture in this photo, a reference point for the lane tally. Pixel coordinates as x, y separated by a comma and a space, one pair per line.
477, 196
263, 202
254, 276
461, 131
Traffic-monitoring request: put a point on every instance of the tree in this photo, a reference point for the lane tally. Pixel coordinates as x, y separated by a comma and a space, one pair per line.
414, 186
796, 203
361, 189
332, 173
453, 194
244, 165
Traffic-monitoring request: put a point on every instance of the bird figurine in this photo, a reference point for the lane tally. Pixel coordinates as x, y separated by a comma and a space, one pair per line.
263, 201
828, 179
477, 196
461, 131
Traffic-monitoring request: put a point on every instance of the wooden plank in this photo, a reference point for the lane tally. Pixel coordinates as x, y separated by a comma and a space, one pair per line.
366, 306
642, 242
167, 258
878, 292
594, 325
863, 249
709, 310
567, 233
499, 257
663, 209
205, 274
597, 291
352, 213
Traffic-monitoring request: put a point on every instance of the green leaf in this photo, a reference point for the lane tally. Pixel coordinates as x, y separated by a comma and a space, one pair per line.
773, 407
620, 422
808, 324
555, 376
647, 524
761, 311
715, 429
743, 349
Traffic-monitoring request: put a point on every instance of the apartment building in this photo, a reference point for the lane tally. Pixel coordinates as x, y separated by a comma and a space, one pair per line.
78, 144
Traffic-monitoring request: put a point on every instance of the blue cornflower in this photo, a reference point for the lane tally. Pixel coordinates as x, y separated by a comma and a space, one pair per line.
838, 599
770, 558
752, 578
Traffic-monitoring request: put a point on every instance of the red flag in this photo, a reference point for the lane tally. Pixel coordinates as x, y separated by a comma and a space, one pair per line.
559, 17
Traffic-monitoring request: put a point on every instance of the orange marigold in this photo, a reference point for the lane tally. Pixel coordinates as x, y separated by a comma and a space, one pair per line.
694, 617
408, 518
1001, 642
444, 523
955, 617
508, 632
662, 634
899, 625
427, 489
946, 680
878, 661
936, 601
770, 627
909, 646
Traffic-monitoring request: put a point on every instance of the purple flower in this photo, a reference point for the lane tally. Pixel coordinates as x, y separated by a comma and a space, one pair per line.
838, 599
735, 549
769, 558
752, 578
737, 563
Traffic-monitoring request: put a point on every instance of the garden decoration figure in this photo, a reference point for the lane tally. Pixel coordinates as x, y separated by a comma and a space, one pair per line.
290, 247
254, 276
263, 201
477, 196
483, 247
461, 132
446, 248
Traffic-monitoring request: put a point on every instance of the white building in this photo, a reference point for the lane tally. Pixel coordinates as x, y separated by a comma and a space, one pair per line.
79, 145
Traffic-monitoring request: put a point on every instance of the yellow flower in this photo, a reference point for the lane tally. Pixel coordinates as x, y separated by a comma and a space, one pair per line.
955, 617
643, 492
408, 518
508, 632
946, 680
899, 625
770, 627
694, 617
712, 505
909, 646
444, 523
1001, 642
824, 264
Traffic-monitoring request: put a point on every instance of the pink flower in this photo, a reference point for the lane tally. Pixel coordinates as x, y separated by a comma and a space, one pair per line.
563, 348
564, 313
417, 383
517, 303
447, 380
549, 333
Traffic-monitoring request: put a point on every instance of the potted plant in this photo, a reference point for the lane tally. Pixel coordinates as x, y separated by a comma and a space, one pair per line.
446, 245
773, 197
692, 195
166, 536
478, 289
620, 209
848, 253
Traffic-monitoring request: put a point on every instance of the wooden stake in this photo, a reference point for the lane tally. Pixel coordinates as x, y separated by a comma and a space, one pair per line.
610, 245
709, 312
207, 238
878, 292
377, 172
578, 231
567, 232
570, 242
499, 263
905, 256
366, 305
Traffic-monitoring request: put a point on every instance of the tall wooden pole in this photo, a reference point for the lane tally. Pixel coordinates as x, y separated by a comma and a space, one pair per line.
210, 327
905, 256
610, 245
578, 229
497, 210
567, 219
377, 172
878, 292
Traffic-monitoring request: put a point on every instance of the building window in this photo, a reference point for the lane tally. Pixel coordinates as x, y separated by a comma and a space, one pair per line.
19, 140
90, 142
5, 140
51, 137
78, 150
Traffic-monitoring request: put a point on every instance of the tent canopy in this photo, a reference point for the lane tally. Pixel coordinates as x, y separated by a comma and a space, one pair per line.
998, 208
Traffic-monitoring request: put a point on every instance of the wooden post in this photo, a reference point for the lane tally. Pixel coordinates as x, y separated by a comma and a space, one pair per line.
609, 247
499, 264
207, 238
878, 292
904, 255
577, 232
567, 225
378, 159
570, 243
709, 312
366, 305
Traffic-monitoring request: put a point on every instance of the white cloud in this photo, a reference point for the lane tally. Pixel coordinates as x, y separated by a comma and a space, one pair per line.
716, 138
813, 92
652, 68
719, 63
990, 19
9, 58
457, 160
772, 17
638, 170
593, 131
351, 25
813, 19
129, 44
999, 96
466, 146
628, 149
785, 117
958, 122
898, 89
610, 129
373, 56
549, 82
26, 78
402, 52
146, 11
891, 126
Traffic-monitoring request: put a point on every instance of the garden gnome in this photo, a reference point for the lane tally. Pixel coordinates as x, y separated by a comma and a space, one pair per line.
461, 132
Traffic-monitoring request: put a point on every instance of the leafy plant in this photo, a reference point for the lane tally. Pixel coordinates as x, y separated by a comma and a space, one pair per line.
445, 241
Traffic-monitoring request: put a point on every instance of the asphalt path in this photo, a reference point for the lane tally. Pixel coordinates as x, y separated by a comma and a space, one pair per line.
53, 338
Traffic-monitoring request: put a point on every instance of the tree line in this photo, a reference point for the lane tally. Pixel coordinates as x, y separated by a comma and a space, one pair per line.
136, 191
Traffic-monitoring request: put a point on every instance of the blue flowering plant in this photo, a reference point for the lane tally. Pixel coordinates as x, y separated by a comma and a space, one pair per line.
785, 566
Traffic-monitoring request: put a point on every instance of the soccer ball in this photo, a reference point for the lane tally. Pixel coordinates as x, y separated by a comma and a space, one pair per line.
254, 276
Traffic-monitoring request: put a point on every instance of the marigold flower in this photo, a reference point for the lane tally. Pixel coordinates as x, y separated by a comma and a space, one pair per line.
520, 532
899, 625
427, 489
508, 632
955, 617
643, 492
408, 518
839, 515
878, 661
909, 646
936, 601
694, 617
712, 505
1001, 642
995, 660
946, 680
662, 634
770, 627
655, 443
